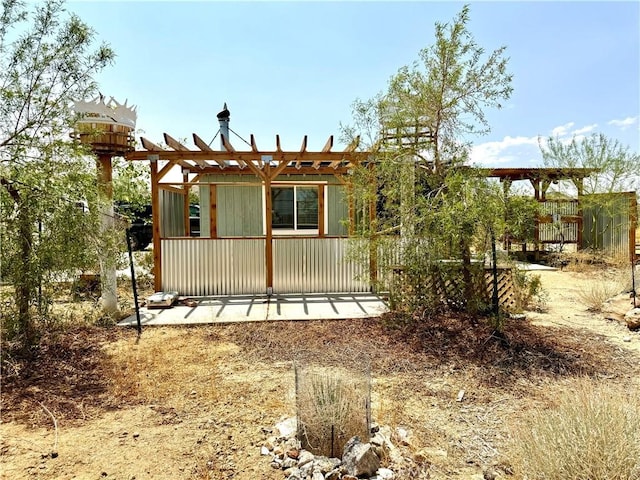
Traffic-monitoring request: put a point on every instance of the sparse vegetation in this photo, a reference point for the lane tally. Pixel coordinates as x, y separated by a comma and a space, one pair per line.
594, 294
332, 406
593, 433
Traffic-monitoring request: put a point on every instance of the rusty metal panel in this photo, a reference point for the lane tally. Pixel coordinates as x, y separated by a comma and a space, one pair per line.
316, 265
213, 266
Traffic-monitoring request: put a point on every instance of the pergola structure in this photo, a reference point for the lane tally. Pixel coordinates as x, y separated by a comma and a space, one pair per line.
541, 179
264, 167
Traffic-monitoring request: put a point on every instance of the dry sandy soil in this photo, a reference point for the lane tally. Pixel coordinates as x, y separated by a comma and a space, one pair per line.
182, 403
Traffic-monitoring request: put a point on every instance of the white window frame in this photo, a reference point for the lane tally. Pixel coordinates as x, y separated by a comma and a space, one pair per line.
288, 231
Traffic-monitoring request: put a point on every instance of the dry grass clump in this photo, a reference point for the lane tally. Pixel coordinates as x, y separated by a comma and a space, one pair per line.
593, 433
596, 292
332, 406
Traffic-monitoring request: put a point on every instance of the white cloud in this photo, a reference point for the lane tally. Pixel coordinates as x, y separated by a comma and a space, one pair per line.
624, 123
505, 151
581, 131
562, 130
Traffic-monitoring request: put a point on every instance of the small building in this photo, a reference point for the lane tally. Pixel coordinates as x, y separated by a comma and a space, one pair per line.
270, 221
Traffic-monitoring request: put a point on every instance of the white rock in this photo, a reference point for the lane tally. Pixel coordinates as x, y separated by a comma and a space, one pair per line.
384, 474
287, 427
264, 450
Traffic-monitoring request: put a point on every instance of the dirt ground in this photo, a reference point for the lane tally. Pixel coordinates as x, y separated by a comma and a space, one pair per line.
190, 403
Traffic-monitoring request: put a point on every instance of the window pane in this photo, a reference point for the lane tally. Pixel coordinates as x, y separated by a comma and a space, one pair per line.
282, 204
307, 207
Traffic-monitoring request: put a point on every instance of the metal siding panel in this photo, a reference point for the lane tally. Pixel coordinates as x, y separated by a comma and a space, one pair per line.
315, 265
213, 267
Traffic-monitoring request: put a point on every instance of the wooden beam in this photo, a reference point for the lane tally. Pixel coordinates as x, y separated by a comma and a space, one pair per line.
303, 149
213, 211
327, 157
155, 220
321, 225
268, 218
279, 169
226, 144
202, 145
149, 145
170, 188
164, 170
353, 145
254, 148
327, 146
258, 172
176, 145
229, 148
173, 143
278, 149
185, 207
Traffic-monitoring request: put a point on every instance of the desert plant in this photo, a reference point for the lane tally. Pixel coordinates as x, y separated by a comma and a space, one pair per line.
332, 406
593, 433
529, 291
596, 292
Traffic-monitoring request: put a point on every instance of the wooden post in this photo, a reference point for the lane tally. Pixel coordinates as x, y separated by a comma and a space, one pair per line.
268, 245
109, 296
579, 184
321, 226
155, 215
185, 211
373, 248
213, 211
536, 235
352, 208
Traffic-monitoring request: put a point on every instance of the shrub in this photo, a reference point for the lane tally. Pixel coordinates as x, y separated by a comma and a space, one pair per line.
333, 406
593, 433
596, 292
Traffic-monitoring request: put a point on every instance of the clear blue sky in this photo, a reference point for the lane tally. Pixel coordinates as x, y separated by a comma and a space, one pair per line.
294, 68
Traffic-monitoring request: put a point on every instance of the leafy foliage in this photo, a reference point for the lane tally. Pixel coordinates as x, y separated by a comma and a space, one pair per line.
47, 180
437, 208
617, 166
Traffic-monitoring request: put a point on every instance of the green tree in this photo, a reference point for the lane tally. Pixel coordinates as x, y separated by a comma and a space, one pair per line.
47, 59
617, 166
418, 135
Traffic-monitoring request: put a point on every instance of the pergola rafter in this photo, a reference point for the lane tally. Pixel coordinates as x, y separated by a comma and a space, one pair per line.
263, 164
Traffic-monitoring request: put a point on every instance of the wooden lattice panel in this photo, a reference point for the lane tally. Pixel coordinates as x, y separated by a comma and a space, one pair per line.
449, 288
507, 298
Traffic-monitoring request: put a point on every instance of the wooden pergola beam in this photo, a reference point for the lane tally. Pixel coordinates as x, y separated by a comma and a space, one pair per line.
202, 145
350, 149
303, 149
254, 149
176, 145
327, 146
149, 145
229, 148
217, 156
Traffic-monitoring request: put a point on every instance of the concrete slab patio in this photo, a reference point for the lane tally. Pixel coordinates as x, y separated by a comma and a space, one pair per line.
260, 308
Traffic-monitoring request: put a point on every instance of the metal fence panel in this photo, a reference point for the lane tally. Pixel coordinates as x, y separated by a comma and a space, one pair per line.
213, 266
316, 265
608, 223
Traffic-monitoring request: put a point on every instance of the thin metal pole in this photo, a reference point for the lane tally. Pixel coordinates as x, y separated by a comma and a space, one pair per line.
133, 282
633, 283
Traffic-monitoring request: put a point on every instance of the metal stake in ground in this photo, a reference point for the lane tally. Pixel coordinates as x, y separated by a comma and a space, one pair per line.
133, 281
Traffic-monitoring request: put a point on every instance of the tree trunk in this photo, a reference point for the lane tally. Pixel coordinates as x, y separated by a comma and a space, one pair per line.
23, 281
